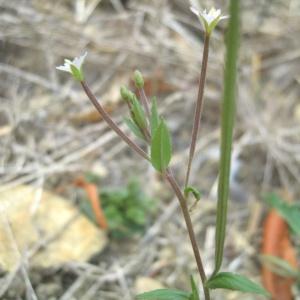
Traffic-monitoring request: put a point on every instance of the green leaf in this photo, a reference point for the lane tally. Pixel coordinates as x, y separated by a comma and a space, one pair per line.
279, 266
154, 121
195, 294
133, 127
194, 191
164, 294
138, 113
228, 115
92, 177
136, 215
128, 209
235, 282
161, 148
290, 213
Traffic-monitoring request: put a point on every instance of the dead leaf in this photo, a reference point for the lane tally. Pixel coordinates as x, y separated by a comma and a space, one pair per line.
93, 196
276, 242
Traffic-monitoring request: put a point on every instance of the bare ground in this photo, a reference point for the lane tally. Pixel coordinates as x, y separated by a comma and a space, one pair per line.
48, 135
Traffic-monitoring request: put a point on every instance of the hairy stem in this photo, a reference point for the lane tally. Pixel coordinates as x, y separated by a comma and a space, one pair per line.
187, 218
111, 123
199, 107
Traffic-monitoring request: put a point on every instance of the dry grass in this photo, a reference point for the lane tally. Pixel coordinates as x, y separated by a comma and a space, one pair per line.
41, 144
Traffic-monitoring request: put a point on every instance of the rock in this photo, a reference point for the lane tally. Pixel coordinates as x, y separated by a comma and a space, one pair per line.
29, 218
146, 284
297, 111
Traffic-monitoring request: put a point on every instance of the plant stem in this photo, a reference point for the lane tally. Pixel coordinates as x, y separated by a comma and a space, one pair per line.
199, 107
183, 204
111, 123
168, 176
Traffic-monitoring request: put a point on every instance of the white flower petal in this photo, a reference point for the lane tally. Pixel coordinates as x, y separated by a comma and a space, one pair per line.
67, 61
209, 19
65, 68
224, 18
78, 61
212, 11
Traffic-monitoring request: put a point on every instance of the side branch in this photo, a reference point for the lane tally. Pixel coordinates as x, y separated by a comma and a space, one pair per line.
111, 123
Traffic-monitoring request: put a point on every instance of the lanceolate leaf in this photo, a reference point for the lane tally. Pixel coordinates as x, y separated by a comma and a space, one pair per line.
228, 113
133, 127
161, 148
164, 294
154, 116
235, 282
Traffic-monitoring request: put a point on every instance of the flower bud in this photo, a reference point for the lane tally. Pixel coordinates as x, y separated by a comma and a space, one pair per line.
138, 79
124, 93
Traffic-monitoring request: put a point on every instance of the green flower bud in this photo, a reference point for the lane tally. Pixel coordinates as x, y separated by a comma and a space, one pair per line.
124, 93
138, 79
131, 97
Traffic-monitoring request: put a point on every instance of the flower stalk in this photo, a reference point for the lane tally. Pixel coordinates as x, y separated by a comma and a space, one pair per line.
209, 20
199, 107
111, 123
139, 83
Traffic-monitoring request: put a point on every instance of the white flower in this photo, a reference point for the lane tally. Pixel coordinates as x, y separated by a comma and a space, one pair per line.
209, 19
74, 67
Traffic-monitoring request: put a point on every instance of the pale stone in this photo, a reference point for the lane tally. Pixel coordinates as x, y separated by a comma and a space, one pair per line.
29, 217
297, 111
146, 284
